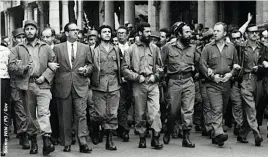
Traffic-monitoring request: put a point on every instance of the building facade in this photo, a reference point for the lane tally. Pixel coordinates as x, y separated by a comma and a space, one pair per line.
162, 13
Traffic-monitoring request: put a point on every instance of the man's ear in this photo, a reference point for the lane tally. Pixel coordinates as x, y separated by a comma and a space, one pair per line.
66, 34
140, 33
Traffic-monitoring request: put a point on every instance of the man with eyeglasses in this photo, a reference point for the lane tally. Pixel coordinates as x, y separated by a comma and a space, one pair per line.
235, 94
71, 88
125, 91
251, 83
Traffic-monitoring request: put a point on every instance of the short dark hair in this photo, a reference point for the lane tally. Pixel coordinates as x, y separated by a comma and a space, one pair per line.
105, 26
142, 25
166, 31
236, 31
53, 33
223, 24
123, 27
66, 27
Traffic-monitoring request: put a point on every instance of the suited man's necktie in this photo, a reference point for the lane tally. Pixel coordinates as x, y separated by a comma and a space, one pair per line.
72, 54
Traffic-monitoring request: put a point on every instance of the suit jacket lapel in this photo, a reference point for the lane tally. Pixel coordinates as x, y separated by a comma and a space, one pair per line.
65, 51
78, 53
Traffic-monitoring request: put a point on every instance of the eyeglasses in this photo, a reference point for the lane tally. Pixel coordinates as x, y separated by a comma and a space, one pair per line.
236, 38
121, 32
72, 30
253, 32
46, 36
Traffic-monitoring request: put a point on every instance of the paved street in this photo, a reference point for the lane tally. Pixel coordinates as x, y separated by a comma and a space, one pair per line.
204, 148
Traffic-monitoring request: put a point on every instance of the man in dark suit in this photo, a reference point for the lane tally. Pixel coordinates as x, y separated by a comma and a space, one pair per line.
71, 88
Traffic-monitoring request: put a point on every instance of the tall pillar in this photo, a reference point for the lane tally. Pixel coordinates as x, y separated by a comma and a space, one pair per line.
201, 12
122, 16
164, 14
54, 15
6, 22
211, 12
101, 12
153, 17
109, 13
41, 14
28, 11
259, 12
65, 13
265, 12
235, 13
80, 14
129, 11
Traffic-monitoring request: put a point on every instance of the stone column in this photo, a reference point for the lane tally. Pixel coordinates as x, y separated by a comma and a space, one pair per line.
40, 5
6, 22
129, 11
65, 13
80, 14
109, 13
101, 12
153, 17
259, 12
54, 15
235, 13
211, 12
265, 12
28, 12
164, 14
201, 12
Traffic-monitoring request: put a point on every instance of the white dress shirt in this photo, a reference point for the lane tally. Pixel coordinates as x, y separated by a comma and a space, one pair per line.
69, 48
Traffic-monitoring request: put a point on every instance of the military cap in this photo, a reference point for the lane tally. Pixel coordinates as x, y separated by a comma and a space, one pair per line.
17, 32
30, 22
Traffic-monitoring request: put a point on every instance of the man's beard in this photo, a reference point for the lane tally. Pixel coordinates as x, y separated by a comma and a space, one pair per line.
31, 38
146, 41
185, 41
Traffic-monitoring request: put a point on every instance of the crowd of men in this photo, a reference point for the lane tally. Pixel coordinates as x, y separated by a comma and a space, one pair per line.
89, 85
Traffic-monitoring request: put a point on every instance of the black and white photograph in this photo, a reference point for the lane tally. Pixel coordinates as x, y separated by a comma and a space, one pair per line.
127, 78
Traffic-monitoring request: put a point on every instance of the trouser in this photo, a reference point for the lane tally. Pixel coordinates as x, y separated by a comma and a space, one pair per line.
206, 107
5, 102
262, 100
65, 112
124, 105
147, 107
236, 101
106, 107
218, 94
20, 108
181, 95
197, 105
54, 119
249, 88
91, 113
38, 99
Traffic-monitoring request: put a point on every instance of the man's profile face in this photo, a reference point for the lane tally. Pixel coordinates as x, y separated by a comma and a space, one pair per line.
163, 38
92, 40
47, 37
19, 38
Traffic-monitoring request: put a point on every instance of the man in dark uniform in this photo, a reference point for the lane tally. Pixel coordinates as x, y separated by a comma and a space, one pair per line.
220, 57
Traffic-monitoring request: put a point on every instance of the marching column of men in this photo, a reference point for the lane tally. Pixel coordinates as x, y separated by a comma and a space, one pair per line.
71, 88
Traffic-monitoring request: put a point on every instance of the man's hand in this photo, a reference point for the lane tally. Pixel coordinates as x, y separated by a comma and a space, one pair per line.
217, 78
265, 64
249, 17
255, 69
40, 80
142, 79
82, 70
236, 67
227, 77
27, 67
210, 72
193, 68
151, 79
53, 66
